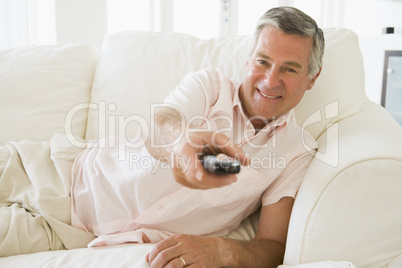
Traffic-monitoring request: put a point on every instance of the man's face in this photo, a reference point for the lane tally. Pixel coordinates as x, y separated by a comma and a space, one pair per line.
276, 74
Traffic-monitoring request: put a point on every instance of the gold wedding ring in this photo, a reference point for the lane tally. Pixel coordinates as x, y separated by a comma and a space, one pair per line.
183, 261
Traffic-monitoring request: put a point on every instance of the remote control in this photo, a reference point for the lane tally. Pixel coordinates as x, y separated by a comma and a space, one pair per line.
220, 164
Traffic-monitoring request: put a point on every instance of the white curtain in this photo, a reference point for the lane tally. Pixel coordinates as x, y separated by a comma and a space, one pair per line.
26, 22
15, 27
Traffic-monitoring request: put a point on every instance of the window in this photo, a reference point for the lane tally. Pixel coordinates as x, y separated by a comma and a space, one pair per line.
24, 22
196, 17
128, 15
202, 18
249, 13
313, 8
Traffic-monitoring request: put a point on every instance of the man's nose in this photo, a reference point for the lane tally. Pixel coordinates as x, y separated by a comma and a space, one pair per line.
272, 78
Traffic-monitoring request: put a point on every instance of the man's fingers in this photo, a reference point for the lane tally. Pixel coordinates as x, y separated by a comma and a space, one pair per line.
222, 144
206, 180
171, 252
155, 258
238, 154
188, 169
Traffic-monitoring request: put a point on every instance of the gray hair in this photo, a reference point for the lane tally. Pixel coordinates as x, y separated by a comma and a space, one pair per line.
291, 20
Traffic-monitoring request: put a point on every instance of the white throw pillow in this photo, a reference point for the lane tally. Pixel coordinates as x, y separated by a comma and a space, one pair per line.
39, 85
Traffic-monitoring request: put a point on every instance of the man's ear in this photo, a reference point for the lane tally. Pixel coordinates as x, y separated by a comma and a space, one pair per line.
312, 82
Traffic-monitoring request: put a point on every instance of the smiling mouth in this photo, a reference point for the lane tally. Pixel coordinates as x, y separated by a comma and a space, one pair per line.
268, 96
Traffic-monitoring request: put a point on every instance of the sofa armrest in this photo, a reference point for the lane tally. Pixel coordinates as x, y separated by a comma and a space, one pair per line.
351, 211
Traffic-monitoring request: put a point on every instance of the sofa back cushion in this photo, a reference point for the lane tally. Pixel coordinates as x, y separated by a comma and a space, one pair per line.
40, 89
139, 68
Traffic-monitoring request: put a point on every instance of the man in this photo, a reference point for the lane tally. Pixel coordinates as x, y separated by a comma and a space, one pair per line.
285, 62
126, 201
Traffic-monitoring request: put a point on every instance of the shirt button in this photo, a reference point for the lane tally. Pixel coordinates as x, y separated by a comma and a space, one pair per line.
161, 207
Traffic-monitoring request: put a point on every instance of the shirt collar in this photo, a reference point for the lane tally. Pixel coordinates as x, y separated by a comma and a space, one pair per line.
236, 97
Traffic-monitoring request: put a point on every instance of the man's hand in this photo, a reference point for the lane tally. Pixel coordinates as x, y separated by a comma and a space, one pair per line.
265, 250
187, 168
185, 250
186, 144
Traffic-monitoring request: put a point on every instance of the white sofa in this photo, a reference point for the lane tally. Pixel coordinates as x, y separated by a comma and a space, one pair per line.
349, 204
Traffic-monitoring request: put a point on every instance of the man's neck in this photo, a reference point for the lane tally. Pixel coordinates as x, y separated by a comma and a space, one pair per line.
259, 124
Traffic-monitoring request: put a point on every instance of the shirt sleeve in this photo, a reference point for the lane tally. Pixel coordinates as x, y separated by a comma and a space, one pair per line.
195, 94
288, 182
188, 97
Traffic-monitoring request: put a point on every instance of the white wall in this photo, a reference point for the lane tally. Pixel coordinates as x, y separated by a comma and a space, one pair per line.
81, 21
368, 18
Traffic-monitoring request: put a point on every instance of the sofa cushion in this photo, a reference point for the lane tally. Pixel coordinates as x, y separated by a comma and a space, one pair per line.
339, 90
139, 68
39, 85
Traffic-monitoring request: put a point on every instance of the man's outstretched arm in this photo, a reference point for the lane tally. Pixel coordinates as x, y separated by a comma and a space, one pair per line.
186, 143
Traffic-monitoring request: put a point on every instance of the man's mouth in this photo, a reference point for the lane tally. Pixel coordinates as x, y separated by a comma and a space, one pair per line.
269, 96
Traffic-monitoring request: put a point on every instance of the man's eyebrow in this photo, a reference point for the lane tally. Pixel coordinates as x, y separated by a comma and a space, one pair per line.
260, 54
294, 64
290, 63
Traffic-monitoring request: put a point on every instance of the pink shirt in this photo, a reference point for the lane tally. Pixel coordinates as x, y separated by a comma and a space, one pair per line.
123, 194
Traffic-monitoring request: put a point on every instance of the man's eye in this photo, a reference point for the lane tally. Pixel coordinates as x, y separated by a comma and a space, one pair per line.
291, 70
263, 62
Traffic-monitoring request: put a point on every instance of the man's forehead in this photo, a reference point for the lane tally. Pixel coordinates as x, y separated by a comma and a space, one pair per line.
272, 39
273, 30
